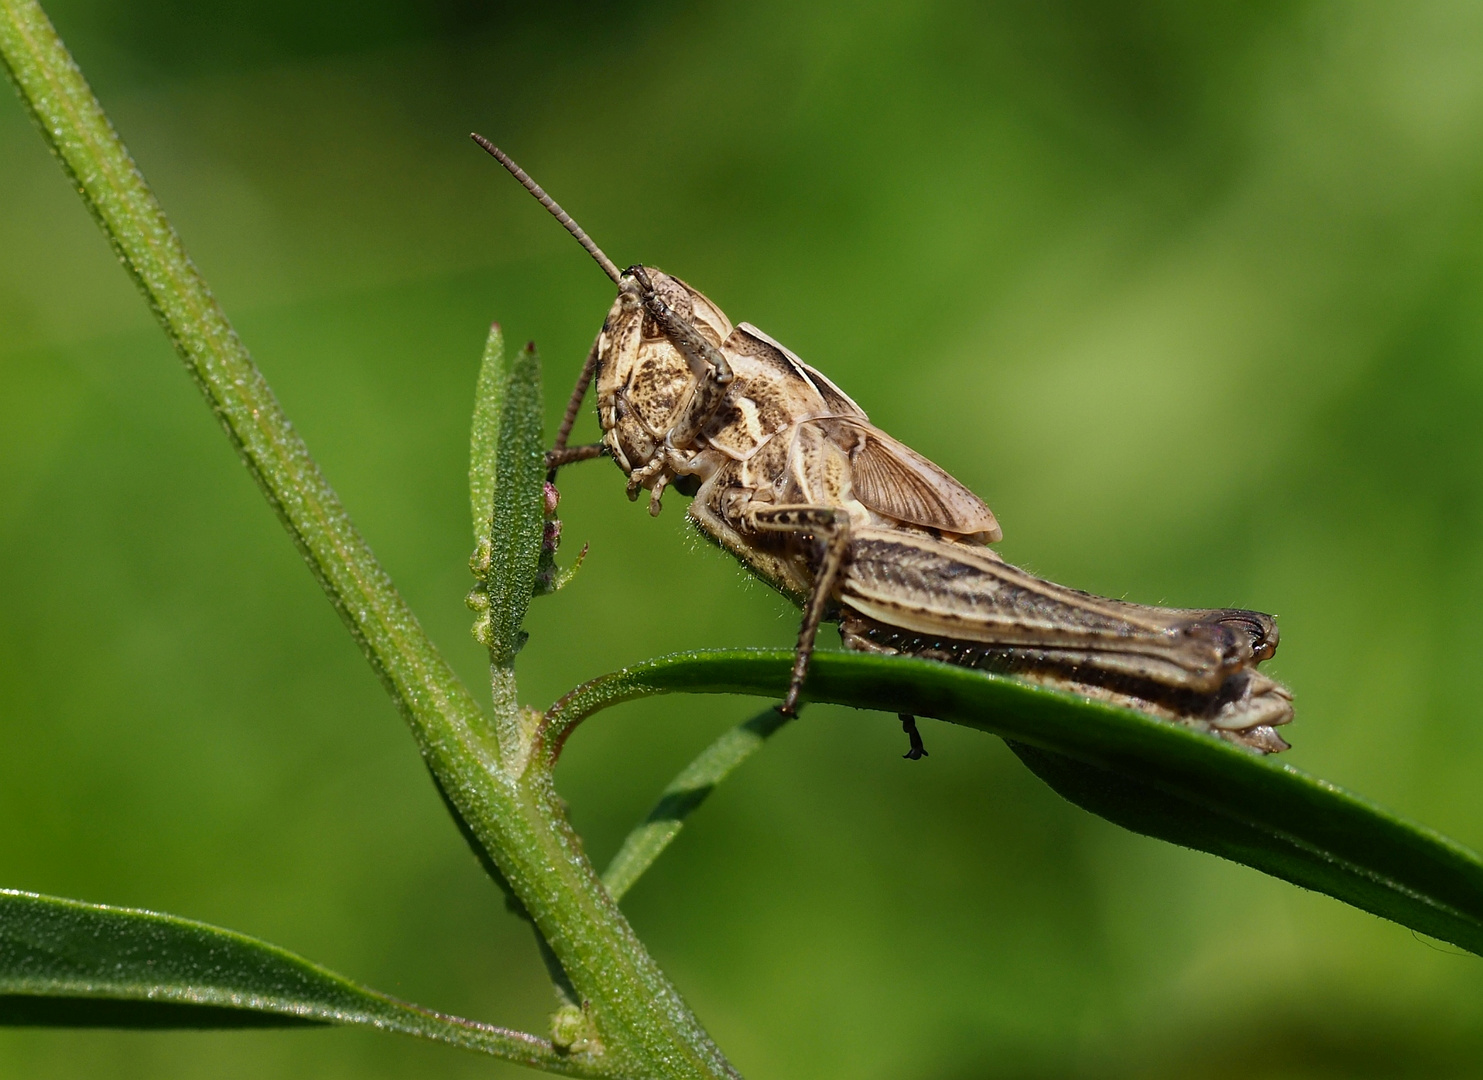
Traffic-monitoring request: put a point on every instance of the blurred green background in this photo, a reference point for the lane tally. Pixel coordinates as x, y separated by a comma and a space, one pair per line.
1192, 293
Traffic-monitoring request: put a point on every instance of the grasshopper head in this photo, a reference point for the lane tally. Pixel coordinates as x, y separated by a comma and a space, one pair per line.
643, 381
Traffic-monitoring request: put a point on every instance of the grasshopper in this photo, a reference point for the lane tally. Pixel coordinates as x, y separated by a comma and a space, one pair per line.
787, 473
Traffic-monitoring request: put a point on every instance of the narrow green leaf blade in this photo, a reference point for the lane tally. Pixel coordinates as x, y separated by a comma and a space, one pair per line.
489, 399
68, 963
1149, 775
683, 797
517, 516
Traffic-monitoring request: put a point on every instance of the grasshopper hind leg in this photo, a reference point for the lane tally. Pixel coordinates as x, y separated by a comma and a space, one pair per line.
832, 529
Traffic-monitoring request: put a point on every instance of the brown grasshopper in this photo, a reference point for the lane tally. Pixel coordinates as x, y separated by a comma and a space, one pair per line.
788, 474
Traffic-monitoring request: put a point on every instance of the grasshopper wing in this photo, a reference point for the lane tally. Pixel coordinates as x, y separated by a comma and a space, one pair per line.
897, 482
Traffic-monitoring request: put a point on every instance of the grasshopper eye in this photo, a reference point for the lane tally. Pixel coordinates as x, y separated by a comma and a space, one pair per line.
686, 485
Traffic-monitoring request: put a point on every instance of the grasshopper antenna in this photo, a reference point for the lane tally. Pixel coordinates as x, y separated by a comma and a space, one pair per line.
550, 204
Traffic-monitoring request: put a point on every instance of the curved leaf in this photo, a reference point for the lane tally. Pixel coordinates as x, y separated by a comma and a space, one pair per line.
683, 796
67, 963
1148, 775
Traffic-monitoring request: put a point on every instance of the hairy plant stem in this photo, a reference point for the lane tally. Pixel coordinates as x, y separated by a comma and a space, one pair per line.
644, 1025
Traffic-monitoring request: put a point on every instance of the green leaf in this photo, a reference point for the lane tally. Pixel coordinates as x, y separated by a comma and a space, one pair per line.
67, 963
683, 797
509, 554
489, 399
1149, 775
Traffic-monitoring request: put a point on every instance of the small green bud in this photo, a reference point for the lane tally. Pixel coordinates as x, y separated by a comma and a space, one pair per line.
572, 1032
482, 558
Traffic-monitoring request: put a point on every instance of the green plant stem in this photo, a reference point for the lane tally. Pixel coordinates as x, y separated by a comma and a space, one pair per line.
683, 797
643, 1023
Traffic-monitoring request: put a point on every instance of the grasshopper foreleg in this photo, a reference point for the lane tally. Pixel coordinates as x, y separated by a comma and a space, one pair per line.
832, 527
703, 404
713, 376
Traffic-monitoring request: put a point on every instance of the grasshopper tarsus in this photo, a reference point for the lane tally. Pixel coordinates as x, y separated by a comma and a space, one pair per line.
656, 493
917, 750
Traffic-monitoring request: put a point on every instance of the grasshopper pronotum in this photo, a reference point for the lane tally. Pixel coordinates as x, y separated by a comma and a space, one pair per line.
788, 474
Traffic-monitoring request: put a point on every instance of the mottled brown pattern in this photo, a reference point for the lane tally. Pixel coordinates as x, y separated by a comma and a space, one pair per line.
790, 476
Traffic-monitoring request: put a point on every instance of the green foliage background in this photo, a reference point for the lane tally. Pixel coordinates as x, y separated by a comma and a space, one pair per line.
1192, 293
